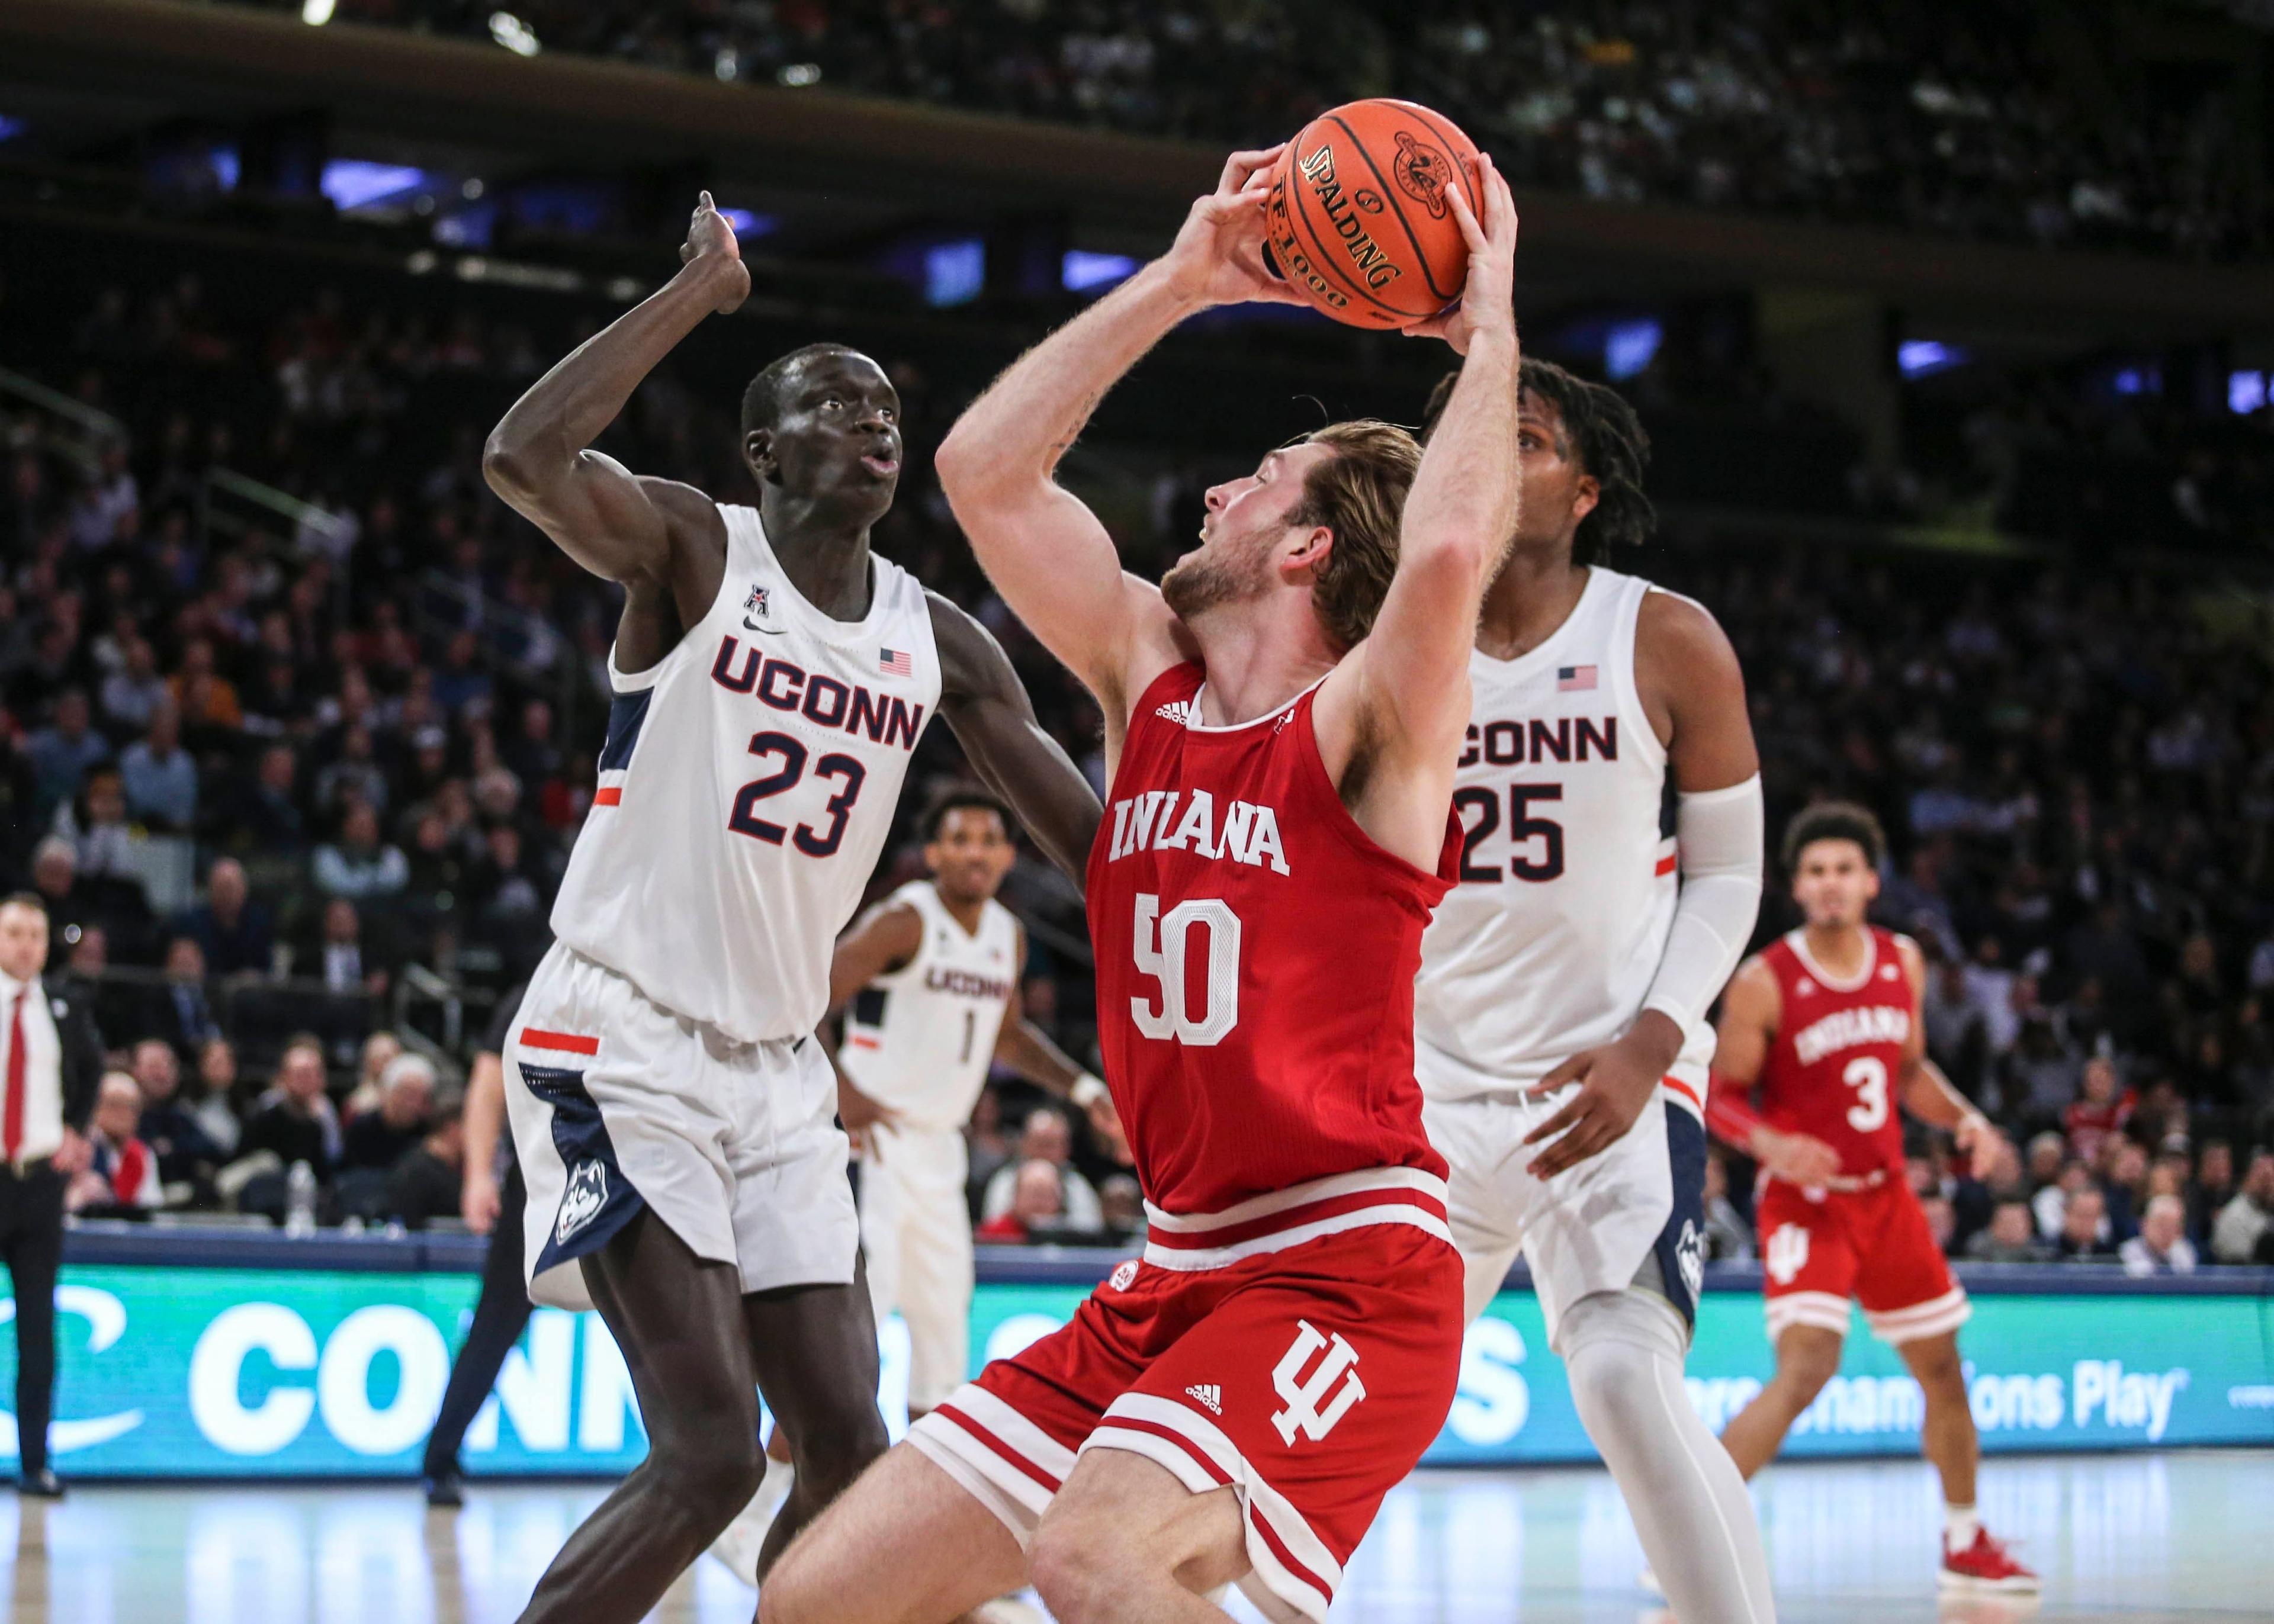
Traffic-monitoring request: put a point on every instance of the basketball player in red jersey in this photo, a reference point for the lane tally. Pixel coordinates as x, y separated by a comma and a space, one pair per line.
1283, 714
1826, 1022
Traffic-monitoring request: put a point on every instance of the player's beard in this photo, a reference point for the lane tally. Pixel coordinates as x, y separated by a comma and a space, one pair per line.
1216, 575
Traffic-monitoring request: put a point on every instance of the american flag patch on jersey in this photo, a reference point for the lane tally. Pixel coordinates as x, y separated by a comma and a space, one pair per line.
1574, 679
896, 662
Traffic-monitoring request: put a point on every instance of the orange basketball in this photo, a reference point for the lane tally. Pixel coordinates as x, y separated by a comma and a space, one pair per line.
1357, 215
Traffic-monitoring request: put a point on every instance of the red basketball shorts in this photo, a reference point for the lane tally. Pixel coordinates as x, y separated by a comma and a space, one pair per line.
1301, 1349
1872, 1246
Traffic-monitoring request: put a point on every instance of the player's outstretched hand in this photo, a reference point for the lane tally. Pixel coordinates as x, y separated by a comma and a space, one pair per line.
480, 1201
710, 237
1488, 300
1105, 1122
1217, 258
1616, 1082
1797, 1158
1981, 1142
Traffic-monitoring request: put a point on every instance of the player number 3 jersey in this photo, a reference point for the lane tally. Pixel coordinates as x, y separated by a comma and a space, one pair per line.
746, 788
1838, 1058
1255, 961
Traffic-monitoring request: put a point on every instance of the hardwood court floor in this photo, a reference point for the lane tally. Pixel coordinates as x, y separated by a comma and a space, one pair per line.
2186, 1537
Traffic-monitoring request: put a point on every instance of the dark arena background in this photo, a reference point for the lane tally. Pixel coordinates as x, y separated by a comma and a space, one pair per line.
1952, 326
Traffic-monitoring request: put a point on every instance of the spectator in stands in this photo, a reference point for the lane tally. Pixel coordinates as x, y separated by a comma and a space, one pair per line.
991, 1149
379, 1139
63, 752
426, 1182
75, 901
94, 822
2011, 1237
266, 815
1037, 1202
161, 779
2050, 1202
2041, 1073
134, 693
1121, 1207
2124, 1184
1727, 1236
216, 1106
233, 930
122, 1174
205, 701
1942, 1221
178, 1010
187, 1154
2210, 1190
1046, 1138
2245, 1223
2162, 1246
293, 1121
379, 1052
342, 958
358, 865
2102, 1107
2084, 1236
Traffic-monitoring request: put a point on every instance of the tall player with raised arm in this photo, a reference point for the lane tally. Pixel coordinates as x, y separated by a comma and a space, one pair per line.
1561, 1031
1283, 714
1827, 1021
674, 1119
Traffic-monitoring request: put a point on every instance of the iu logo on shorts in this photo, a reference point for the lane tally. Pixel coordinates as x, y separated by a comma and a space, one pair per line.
1787, 1253
1315, 1403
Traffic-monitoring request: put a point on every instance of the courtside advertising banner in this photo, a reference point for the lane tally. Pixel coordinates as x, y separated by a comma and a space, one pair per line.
207, 1372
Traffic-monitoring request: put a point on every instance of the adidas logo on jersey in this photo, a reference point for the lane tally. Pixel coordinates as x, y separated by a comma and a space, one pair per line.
1208, 1396
1151, 822
1178, 710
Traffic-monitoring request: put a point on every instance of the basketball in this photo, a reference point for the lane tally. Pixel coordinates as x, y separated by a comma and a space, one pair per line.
1357, 219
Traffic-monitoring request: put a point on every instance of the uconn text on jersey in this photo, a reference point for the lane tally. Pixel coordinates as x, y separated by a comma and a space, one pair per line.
786, 686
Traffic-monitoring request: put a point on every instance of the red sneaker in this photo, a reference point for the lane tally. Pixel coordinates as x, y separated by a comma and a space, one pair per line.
1985, 1566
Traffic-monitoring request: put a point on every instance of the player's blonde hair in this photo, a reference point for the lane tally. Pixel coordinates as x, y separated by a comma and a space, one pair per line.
1359, 494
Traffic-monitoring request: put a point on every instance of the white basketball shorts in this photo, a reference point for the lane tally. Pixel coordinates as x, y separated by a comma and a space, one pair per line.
1591, 1227
617, 1104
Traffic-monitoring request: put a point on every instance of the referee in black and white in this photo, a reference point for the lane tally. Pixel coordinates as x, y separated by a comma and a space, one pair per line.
50, 1066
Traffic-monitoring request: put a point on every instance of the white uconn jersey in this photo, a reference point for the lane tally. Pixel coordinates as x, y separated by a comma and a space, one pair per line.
920, 1038
747, 785
1549, 943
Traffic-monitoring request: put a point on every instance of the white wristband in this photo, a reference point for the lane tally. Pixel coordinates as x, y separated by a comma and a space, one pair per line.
1088, 1090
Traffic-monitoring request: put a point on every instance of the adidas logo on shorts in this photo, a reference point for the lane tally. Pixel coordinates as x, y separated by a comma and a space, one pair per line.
1208, 1396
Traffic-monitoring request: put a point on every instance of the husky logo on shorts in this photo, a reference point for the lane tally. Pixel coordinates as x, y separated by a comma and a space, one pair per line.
1334, 1375
1787, 1253
1689, 1257
581, 1201
1125, 1275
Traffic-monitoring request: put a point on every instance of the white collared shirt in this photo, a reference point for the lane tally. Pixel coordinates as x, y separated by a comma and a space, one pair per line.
43, 1066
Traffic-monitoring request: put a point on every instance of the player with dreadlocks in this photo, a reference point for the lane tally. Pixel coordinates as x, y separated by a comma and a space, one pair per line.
1561, 1039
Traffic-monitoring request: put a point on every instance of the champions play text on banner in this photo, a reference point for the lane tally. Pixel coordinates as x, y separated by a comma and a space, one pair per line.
203, 1372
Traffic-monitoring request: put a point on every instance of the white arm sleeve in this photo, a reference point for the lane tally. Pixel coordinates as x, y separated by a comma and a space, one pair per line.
1719, 834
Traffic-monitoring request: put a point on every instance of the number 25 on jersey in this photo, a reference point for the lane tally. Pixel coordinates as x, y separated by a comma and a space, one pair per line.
1164, 948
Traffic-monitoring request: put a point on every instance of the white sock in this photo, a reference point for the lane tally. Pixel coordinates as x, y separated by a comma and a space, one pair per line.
1623, 1352
1960, 1525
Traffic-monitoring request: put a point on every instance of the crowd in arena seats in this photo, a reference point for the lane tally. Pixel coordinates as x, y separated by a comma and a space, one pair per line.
1999, 120
368, 729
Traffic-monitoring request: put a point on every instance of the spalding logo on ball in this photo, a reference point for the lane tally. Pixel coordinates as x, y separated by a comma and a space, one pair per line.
1356, 216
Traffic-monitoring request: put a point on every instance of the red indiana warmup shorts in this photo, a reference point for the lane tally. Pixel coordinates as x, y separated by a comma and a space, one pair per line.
1818, 1251
1302, 1347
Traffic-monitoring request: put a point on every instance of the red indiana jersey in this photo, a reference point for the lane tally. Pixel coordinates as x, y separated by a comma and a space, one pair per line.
1256, 952
1839, 1050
